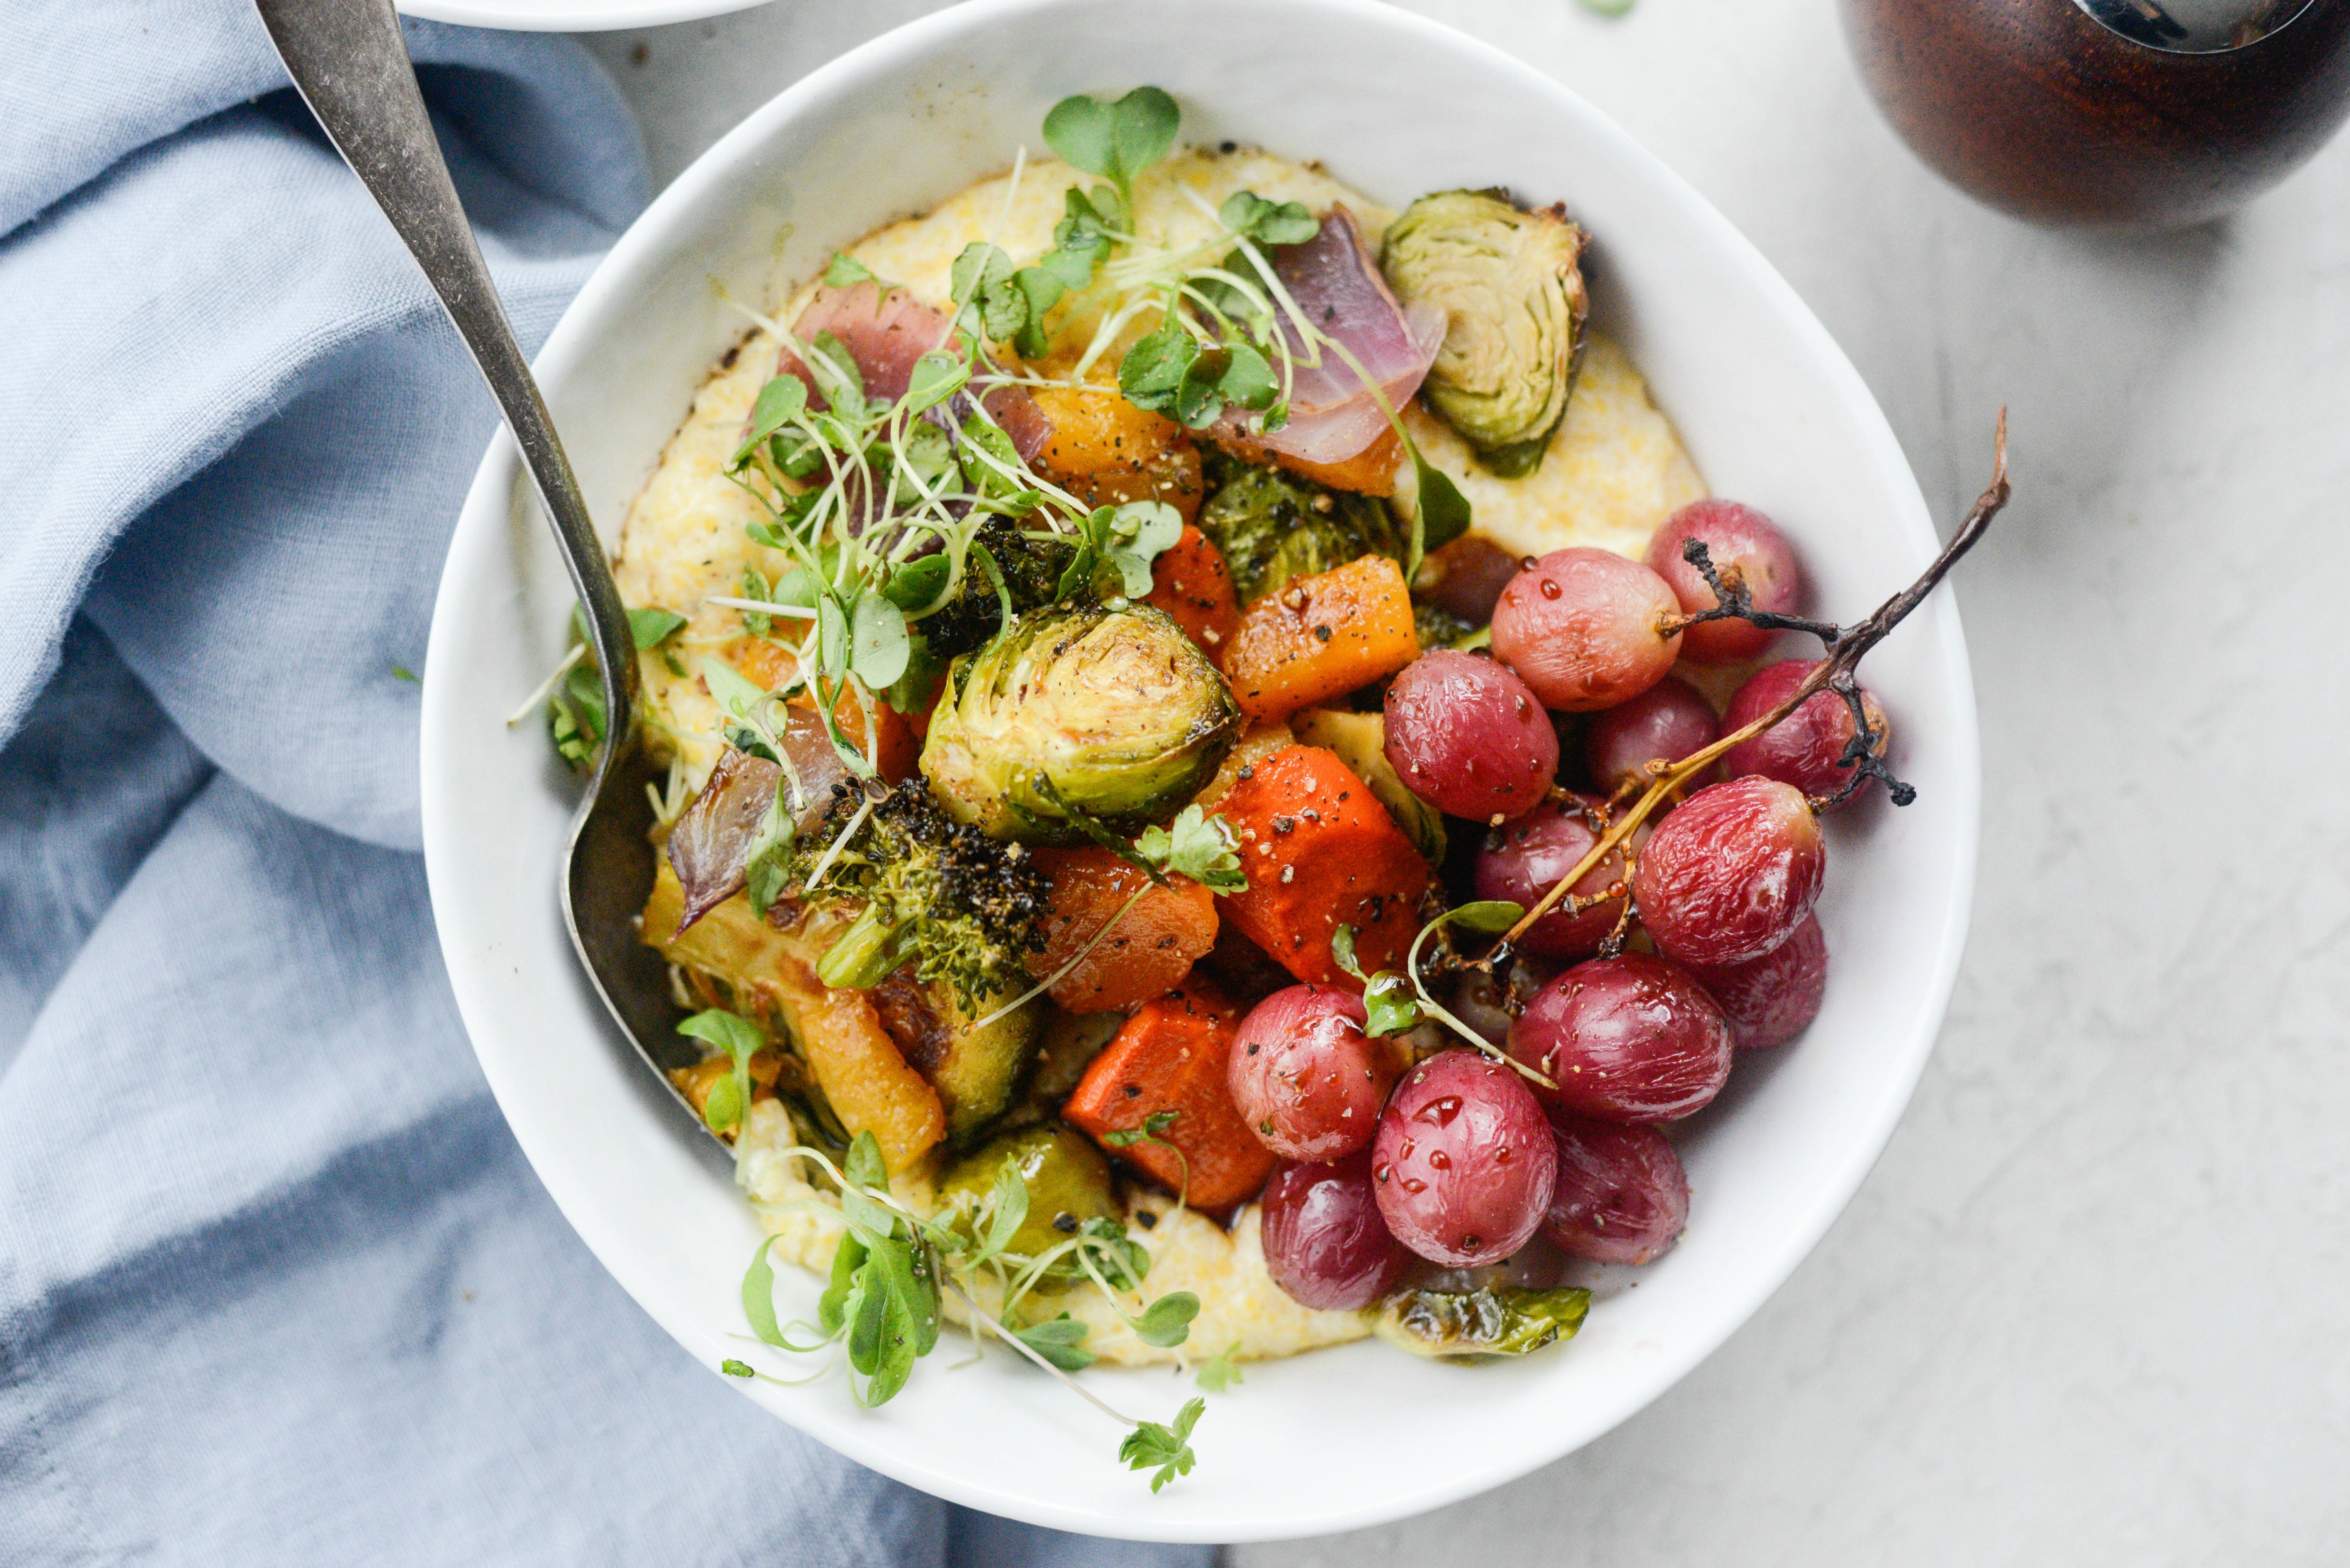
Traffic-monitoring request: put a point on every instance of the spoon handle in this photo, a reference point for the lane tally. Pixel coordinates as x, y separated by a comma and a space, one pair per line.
350, 66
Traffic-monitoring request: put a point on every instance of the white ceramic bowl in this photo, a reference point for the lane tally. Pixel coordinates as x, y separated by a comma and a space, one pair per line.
1770, 409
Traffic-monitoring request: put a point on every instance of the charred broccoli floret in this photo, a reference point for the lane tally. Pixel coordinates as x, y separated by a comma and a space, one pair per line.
938, 894
1032, 572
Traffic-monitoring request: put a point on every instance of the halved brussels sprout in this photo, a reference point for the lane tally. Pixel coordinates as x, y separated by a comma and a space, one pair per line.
1510, 284
1112, 712
1273, 527
1499, 1320
1067, 1177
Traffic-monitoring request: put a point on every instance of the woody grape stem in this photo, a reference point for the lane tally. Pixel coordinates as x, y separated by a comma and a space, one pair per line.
1845, 647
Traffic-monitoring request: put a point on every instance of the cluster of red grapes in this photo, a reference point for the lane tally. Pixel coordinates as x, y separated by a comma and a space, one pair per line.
1703, 828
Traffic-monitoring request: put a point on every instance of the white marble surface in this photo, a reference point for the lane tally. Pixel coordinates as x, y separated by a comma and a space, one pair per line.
2092, 1306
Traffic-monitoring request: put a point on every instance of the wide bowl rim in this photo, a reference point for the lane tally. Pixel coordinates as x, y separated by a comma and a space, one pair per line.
488, 503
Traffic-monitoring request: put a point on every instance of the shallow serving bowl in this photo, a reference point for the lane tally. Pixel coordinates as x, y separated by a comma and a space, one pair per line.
1770, 411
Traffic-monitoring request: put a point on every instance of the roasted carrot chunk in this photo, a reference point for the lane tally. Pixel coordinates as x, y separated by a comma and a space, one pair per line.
1150, 947
1321, 637
1172, 1056
769, 665
1191, 582
1106, 451
1370, 472
1321, 852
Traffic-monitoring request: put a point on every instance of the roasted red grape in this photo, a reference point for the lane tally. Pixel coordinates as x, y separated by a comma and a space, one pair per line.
1805, 749
1667, 723
1520, 860
1737, 536
1469, 737
1621, 1198
1464, 1162
1325, 1242
1771, 1000
1730, 873
1305, 1078
1582, 627
1627, 1039
1470, 573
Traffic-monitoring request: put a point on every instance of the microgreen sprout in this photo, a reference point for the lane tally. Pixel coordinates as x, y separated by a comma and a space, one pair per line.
1389, 1004
883, 1301
1221, 1373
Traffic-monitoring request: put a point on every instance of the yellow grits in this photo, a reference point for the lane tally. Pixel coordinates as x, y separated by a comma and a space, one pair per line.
1615, 470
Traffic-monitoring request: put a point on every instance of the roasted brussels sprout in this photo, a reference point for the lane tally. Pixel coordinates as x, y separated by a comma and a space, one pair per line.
1500, 1320
1510, 284
1068, 1183
1078, 708
1273, 527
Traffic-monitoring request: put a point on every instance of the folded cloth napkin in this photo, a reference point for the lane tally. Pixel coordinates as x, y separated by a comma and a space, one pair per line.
275, 1285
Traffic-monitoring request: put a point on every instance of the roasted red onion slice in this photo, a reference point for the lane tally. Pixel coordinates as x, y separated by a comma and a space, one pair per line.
710, 848
1337, 287
885, 334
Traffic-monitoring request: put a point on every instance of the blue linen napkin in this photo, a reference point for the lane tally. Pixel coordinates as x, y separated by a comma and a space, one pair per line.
276, 1284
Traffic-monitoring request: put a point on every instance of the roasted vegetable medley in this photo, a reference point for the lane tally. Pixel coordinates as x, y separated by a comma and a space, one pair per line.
1153, 878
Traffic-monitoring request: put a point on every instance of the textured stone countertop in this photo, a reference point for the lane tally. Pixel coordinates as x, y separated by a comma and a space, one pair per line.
2091, 1306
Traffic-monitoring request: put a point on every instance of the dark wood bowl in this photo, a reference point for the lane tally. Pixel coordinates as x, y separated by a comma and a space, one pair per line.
2031, 107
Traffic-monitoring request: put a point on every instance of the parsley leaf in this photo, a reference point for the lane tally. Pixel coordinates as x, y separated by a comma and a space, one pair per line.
1197, 846
1169, 1448
846, 272
1220, 1374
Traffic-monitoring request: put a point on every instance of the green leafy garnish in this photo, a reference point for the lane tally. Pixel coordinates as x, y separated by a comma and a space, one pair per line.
1197, 846
1116, 140
1060, 1341
1124, 539
1221, 1373
401, 672
649, 628
1388, 1005
1168, 1447
846, 271
1154, 1123
733, 1368
1267, 223
759, 1296
741, 1039
1441, 513
1167, 1321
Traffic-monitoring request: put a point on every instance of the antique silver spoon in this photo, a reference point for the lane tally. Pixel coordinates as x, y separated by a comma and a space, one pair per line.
350, 66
